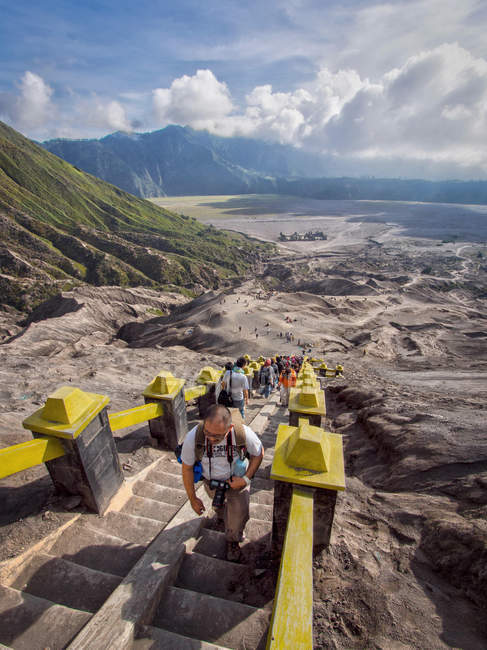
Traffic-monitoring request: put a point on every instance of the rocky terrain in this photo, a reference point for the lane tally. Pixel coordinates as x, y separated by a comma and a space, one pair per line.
406, 315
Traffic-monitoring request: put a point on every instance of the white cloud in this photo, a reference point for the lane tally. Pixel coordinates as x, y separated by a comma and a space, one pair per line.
101, 114
430, 108
33, 105
198, 101
433, 107
33, 109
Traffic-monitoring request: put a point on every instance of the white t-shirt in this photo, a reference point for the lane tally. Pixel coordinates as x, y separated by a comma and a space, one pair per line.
239, 384
220, 467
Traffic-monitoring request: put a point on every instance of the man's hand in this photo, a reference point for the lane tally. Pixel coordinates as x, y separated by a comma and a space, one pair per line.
197, 505
236, 483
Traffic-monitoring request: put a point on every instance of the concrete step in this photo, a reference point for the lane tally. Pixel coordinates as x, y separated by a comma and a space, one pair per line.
96, 550
265, 466
264, 472
261, 512
162, 477
254, 530
255, 548
65, 583
139, 530
142, 507
169, 465
32, 623
263, 496
212, 619
134, 601
268, 458
160, 493
217, 577
156, 638
259, 483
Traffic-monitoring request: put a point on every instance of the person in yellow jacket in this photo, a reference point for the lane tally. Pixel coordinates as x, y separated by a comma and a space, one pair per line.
287, 380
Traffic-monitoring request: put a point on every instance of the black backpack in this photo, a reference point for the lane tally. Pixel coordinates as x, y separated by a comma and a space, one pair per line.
225, 396
265, 376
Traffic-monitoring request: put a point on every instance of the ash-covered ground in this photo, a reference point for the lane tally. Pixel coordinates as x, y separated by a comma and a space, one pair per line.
405, 313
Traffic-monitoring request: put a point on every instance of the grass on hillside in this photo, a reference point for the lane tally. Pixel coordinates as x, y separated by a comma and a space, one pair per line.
64, 221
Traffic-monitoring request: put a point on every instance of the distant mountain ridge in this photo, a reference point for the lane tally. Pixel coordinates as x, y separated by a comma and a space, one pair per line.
180, 161
60, 226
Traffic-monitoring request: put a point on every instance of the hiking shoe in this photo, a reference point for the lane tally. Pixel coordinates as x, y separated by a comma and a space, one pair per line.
233, 552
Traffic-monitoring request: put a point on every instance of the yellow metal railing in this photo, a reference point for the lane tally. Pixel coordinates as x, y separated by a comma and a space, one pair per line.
16, 458
28, 454
136, 415
194, 392
292, 617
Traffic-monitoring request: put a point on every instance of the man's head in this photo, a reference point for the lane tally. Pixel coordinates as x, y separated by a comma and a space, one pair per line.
267, 362
217, 423
241, 362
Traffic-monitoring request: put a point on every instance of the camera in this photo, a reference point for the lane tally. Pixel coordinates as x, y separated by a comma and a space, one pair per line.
220, 488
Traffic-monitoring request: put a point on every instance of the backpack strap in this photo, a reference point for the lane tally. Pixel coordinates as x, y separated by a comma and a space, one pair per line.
199, 442
240, 439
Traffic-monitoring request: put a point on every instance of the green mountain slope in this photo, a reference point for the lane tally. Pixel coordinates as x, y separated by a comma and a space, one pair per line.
59, 225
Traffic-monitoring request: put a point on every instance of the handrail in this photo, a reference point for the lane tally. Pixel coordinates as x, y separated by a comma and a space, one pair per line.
16, 458
292, 616
194, 392
333, 372
135, 415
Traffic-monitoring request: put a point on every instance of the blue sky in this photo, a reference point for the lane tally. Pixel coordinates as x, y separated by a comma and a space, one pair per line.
368, 84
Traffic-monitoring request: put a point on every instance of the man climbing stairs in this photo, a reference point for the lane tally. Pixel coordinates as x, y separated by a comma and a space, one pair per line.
79, 583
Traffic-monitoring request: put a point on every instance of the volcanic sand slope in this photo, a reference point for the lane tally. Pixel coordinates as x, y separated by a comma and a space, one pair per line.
60, 226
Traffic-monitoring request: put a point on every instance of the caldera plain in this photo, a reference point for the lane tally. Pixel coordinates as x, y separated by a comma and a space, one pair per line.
397, 295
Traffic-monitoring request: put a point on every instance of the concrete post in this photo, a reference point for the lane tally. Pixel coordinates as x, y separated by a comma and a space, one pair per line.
306, 401
313, 419
206, 400
209, 377
90, 466
170, 428
311, 458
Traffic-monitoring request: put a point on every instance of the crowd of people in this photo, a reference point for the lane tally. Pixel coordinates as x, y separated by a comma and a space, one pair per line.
277, 373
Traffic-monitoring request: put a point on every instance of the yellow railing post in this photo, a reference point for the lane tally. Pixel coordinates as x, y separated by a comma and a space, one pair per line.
208, 377
308, 458
306, 401
90, 465
171, 426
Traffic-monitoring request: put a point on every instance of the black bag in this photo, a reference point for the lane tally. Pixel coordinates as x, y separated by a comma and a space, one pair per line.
265, 376
225, 397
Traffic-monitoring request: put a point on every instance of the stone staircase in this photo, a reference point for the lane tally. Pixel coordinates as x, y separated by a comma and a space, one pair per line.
149, 570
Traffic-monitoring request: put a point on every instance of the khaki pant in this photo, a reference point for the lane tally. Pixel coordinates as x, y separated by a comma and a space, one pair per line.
235, 512
284, 395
